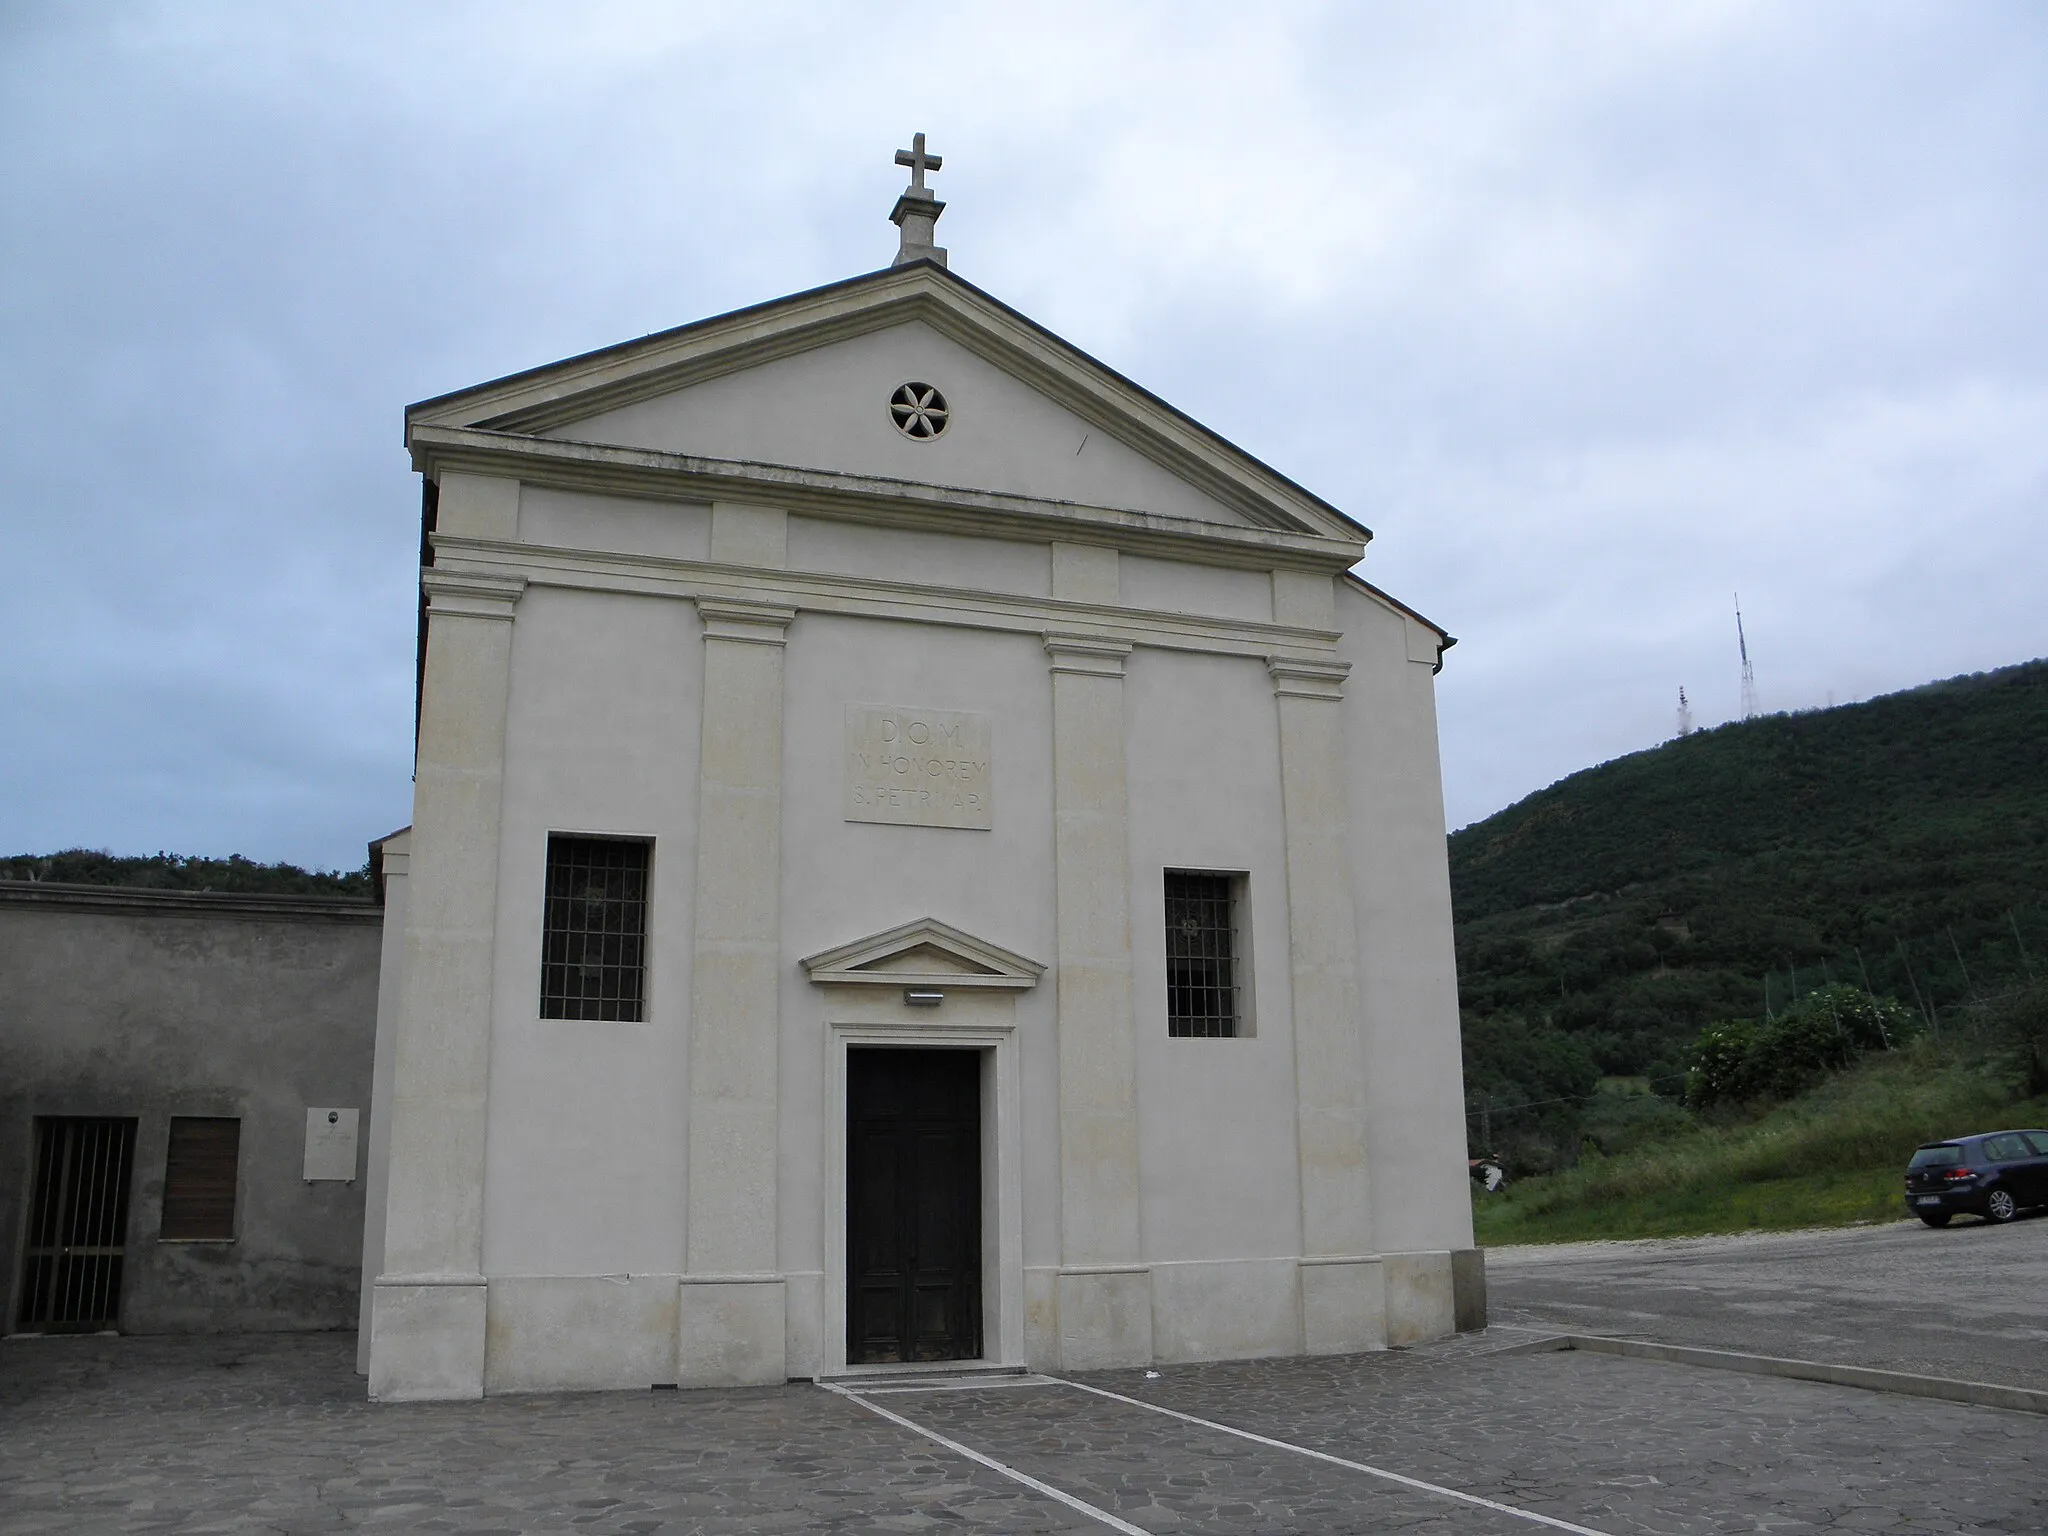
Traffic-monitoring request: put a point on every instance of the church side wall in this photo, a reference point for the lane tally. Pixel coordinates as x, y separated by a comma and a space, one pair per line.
1422, 1205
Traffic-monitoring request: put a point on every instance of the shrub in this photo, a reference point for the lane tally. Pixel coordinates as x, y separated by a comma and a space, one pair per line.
2015, 1025
1723, 1060
1823, 1032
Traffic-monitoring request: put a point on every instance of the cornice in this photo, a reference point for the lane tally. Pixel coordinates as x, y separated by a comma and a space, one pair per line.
1087, 656
1071, 623
746, 620
471, 594
538, 399
1295, 678
549, 398
653, 474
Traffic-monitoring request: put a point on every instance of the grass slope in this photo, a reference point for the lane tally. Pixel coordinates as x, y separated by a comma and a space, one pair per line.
1900, 843
1829, 1158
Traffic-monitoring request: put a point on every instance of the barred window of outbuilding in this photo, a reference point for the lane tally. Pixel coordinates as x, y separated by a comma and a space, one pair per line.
594, 931
1204, 954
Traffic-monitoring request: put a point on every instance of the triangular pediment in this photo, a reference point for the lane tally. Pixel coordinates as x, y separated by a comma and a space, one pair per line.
802, 384
926, 953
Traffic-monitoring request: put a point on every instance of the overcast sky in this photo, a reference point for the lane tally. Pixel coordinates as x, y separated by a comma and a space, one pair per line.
1594, 313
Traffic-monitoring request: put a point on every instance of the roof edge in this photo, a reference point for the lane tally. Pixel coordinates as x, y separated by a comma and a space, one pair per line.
145, 899
1445, 639
1256, 477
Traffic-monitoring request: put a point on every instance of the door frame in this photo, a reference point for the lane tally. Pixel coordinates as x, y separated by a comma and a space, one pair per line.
17, 1287
994, 1036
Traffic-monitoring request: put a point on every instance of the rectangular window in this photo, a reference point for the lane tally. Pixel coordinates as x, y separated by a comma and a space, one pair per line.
1945, 1156
594, 932
199, 1178
1204, 955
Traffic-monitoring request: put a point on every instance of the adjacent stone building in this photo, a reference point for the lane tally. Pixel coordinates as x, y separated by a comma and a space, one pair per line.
921, 851
182, 1080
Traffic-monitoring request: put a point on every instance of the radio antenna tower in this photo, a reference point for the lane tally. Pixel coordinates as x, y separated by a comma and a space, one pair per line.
1749, 710
1684, 714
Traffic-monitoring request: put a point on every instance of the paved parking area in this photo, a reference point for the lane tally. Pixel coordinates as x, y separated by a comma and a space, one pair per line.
272, 1434
1968, 1301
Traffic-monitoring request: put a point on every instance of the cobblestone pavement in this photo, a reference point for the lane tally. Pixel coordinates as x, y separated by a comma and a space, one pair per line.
272, 1434
1970, 1300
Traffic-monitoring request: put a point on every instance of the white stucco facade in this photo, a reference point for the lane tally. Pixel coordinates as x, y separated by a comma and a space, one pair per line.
665, 581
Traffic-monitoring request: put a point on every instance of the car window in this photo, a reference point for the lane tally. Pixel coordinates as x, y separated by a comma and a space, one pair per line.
2040, 1141
2006, 1149
1944, 1156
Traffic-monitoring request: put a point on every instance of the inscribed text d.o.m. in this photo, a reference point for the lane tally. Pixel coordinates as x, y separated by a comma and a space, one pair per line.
918, 767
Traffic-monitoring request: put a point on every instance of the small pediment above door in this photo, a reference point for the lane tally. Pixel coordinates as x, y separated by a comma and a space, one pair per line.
923, 953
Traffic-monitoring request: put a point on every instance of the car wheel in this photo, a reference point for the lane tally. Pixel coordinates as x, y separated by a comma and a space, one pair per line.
1935, 1218
1999, 1205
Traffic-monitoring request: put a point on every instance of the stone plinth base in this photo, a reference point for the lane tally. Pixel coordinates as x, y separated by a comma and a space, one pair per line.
1420, 1301
581, 1333
731, 1331
1343, 1306
427, 1339
1105, 1318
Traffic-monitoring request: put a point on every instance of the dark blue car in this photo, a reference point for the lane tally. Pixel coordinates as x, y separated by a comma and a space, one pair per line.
1996, 1176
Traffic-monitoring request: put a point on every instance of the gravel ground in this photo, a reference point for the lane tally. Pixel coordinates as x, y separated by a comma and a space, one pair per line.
1968, 1301
273, 1434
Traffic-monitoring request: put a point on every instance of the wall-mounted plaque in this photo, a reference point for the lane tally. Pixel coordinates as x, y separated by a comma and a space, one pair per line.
331, 1144
918, 767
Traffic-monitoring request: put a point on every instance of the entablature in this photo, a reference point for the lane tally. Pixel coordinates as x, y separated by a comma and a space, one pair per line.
652, 474
873, 597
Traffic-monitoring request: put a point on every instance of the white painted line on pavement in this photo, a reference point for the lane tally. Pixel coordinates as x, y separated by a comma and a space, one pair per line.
993, 1465
996, 1384
1356, 1466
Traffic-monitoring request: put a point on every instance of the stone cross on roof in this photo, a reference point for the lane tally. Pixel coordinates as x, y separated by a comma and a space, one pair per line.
918, 161
917, 211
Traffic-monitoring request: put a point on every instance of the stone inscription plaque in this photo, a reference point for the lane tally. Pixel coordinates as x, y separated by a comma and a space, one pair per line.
918, 767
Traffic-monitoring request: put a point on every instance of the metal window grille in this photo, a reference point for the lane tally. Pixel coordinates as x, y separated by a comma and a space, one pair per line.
1201, 956
199, 1178
78, 1222
594, 939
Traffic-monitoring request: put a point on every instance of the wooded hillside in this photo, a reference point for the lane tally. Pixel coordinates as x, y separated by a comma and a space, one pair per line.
178, 872
1900, 844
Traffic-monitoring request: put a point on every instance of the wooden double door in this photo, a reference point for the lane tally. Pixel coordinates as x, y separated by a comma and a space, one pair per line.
913, 1205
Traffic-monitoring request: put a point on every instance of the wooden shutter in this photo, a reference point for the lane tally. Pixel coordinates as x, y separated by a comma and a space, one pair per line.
199, 1178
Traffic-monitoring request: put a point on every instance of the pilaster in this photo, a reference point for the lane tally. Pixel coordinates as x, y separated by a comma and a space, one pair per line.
1104, 1293
731, 1308
1343, 1306
427, 1306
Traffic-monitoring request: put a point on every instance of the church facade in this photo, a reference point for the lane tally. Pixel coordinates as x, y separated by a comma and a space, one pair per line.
921, 852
